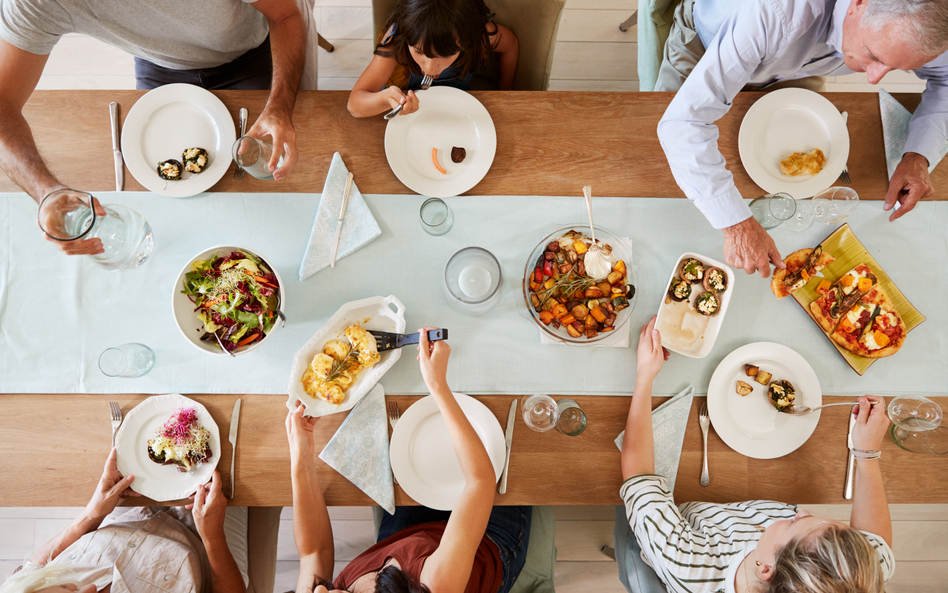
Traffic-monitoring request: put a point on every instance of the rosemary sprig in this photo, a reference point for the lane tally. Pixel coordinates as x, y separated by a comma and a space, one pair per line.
568, 284
338, 366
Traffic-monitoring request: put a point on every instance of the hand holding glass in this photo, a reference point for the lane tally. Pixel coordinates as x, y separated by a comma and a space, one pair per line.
253, 155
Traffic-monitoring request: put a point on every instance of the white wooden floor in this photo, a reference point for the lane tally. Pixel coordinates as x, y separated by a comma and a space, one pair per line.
591, 54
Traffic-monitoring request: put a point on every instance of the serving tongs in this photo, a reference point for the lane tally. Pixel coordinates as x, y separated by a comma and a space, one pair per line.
390, 341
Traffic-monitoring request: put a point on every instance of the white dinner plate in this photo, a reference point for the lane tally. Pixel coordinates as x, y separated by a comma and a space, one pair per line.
156, 481
446, 117
423, 458
792, 120
749, 424
166, 121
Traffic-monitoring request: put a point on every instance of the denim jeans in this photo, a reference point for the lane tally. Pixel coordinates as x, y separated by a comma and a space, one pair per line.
635, 574
251, 71
508, 527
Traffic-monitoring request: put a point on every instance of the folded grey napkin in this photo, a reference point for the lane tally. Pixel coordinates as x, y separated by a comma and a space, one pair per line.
895, 131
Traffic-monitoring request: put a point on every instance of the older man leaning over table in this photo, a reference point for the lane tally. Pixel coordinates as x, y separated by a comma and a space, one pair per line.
718, 47
218, 44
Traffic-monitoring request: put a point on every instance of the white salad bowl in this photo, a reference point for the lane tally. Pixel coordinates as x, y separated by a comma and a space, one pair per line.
190, 324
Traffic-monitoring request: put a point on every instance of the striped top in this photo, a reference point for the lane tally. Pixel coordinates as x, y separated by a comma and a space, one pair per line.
697, 547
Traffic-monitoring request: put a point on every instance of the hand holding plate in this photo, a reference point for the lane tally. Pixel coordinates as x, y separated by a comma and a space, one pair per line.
110, 488
299, 433
651, 354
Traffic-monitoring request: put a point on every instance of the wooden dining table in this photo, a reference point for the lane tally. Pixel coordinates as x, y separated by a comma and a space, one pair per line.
52, 446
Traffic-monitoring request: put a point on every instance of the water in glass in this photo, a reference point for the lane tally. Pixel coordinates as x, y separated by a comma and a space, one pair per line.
126, 236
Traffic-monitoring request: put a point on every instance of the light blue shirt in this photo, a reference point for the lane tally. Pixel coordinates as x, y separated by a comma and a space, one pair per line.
758, 43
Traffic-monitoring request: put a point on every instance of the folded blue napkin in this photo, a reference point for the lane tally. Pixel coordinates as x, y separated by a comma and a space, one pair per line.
669, 422
895, 131
359, 227
359, 450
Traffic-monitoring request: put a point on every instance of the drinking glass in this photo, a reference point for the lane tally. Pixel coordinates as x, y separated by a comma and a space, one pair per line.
473, 281
436, 218
128, 360
540, 412
915, 425
801, 219
69, 215
571, 420
833, 205
252, 155
930, 442
772, 210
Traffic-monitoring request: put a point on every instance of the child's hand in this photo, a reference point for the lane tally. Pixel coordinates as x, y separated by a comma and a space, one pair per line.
396, 97
434, 361
871, 423
651, 354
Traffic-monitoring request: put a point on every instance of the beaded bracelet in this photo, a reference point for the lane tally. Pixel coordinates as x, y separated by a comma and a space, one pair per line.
864, 455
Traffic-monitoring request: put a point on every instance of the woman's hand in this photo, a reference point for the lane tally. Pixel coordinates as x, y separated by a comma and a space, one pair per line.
208, 508
433, 359
651, 353
299, 433
111, 487
871, 423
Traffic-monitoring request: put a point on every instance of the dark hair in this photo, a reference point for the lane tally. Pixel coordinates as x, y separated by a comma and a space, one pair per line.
439, 28
392, 579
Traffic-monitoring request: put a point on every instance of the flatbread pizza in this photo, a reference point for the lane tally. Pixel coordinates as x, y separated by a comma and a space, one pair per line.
802, 266
872, 327
839, 297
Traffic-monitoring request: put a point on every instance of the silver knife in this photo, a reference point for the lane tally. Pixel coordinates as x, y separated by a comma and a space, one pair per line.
508, 437
850, 462
234, 420
116, 147
342, 214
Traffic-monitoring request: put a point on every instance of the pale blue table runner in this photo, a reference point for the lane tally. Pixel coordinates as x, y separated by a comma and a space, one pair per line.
58, 313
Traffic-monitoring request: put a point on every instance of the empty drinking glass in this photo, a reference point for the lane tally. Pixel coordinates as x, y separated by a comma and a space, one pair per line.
801, 219
253, 155
571, 419
540, 412
436, 217
833, 205
772, 210
69, 215
915, 425
128, 360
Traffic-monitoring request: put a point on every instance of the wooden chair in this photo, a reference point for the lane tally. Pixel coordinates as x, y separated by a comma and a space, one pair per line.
534, 22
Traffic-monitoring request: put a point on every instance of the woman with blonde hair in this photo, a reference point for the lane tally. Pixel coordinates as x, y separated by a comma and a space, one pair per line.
748, 547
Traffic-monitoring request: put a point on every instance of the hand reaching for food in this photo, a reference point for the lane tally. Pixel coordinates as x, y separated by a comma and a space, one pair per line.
747, 245
433, 359
651, 354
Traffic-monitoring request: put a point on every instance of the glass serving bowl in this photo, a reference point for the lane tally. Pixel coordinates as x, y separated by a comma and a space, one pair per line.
621, 249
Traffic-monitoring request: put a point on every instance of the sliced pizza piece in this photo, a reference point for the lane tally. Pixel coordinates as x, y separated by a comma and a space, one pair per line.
851, 326
802, 266
841, 296
886, 331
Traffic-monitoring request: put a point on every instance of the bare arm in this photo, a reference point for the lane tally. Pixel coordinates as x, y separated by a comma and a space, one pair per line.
507, 47
312, 529
208, 511
448, 569
638, 444
368, 97
870, 507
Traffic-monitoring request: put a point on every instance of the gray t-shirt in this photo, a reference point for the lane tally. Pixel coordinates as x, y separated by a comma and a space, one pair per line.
174, 34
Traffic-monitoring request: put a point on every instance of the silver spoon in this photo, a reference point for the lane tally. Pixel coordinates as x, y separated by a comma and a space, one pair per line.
801, 410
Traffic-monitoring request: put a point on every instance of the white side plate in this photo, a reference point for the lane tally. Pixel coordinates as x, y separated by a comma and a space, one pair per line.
378, 313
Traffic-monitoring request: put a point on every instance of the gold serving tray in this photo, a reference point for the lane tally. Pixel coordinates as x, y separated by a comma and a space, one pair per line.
849, 252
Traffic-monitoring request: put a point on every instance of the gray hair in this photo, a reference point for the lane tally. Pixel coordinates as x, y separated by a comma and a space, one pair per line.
924, 23
834, 560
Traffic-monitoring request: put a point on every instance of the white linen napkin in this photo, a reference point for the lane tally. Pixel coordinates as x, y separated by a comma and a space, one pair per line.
359, 450
359, 227
669, 422
895, 130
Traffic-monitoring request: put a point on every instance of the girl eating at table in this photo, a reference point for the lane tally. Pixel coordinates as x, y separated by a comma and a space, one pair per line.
448, 40
746, 547
476, 548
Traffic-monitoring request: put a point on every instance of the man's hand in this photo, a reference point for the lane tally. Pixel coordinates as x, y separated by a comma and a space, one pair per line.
280, 128
51, 219
747, 245
110, 488
299, 433
208, 509
910, 183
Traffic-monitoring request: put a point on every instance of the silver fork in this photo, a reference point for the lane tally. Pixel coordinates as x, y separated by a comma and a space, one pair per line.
116, 412
242, 123
393, 416
844, 176
425, 83
705, 421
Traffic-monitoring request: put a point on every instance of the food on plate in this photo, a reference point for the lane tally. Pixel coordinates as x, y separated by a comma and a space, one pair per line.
763, 377
679, 290
170, 169
841, 296
802, 266
458, 154
744, 388
803, 163
781, 394
707, 303
565, 296
195, 159
691, 270
715, 280
337, 367
751, 370
434, 159
235, 296
181, 441
872, 327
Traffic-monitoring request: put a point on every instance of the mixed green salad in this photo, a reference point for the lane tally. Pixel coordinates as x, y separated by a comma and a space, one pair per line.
236, 296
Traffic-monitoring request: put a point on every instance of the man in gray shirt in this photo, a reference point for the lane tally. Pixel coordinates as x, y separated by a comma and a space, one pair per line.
212, 43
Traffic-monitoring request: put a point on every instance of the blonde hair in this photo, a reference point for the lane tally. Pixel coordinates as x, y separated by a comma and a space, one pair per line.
834, 560
34, 578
